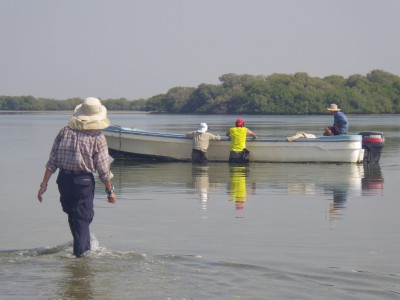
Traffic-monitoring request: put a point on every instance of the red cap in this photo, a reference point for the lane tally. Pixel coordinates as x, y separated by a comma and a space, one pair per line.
239, 122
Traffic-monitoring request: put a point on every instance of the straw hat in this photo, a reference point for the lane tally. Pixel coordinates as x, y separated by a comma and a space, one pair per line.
203, 127
333, 107
90, 115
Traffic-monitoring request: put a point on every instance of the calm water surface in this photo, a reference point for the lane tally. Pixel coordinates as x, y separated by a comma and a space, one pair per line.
265, 231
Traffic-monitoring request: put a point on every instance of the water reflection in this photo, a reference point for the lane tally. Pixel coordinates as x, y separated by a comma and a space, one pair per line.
372, 181
333, 182
338, 197
366, 180
77, 281
201, 183
237, 185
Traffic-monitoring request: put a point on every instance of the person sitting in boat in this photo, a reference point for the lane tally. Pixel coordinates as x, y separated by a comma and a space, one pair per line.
201, 139
238, 152
340, 123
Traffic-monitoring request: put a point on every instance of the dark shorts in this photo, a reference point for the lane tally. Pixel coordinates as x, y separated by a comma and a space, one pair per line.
242, 157
334, 131
199, 156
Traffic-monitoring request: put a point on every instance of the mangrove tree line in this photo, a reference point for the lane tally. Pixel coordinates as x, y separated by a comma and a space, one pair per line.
376, 92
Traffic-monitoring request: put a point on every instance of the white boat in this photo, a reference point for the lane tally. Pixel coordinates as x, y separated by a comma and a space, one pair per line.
133, 143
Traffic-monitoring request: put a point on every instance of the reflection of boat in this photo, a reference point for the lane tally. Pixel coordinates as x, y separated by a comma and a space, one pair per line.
369, 180
372, 181
138, 144
333, 182
291, 179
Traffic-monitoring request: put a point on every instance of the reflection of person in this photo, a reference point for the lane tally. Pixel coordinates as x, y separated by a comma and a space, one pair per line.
77, 280
201, 140
237, 186
339, 202
238, 152
79, 150
201, 183
340, 123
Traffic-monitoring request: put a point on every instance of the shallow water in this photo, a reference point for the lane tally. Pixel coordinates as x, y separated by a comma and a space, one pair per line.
178, 231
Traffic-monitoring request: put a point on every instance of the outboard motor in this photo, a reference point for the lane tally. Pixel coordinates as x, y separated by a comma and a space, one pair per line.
372, 143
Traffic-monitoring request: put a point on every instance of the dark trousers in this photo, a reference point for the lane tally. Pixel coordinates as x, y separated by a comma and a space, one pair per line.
199, 157
76, 197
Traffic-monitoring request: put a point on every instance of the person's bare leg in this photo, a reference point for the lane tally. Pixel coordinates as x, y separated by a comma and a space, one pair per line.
328, 131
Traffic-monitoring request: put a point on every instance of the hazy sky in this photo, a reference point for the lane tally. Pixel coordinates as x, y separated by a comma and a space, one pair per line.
137, 49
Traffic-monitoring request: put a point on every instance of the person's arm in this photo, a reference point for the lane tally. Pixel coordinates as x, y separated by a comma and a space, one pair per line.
51, 165
43, 184
103, 168
214, 137
251, 133
228, 133
110, 192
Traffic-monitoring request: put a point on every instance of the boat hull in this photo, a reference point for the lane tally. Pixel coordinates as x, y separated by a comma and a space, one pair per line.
131, 143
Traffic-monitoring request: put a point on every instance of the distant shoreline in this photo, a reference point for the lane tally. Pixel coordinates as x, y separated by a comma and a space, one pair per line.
70, 111
165, 113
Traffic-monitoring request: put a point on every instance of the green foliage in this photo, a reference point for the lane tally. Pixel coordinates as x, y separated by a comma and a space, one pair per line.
176, 99
377, 92
155, 104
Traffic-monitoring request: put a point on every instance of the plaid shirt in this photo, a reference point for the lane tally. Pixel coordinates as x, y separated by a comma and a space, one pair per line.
81, 151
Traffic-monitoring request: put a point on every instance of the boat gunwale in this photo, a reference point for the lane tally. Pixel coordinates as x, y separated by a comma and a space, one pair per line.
324, 139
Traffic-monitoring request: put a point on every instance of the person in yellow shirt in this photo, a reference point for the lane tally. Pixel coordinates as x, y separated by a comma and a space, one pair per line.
238, 152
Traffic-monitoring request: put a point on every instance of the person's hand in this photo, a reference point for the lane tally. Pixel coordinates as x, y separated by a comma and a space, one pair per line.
112, 198
42, 189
